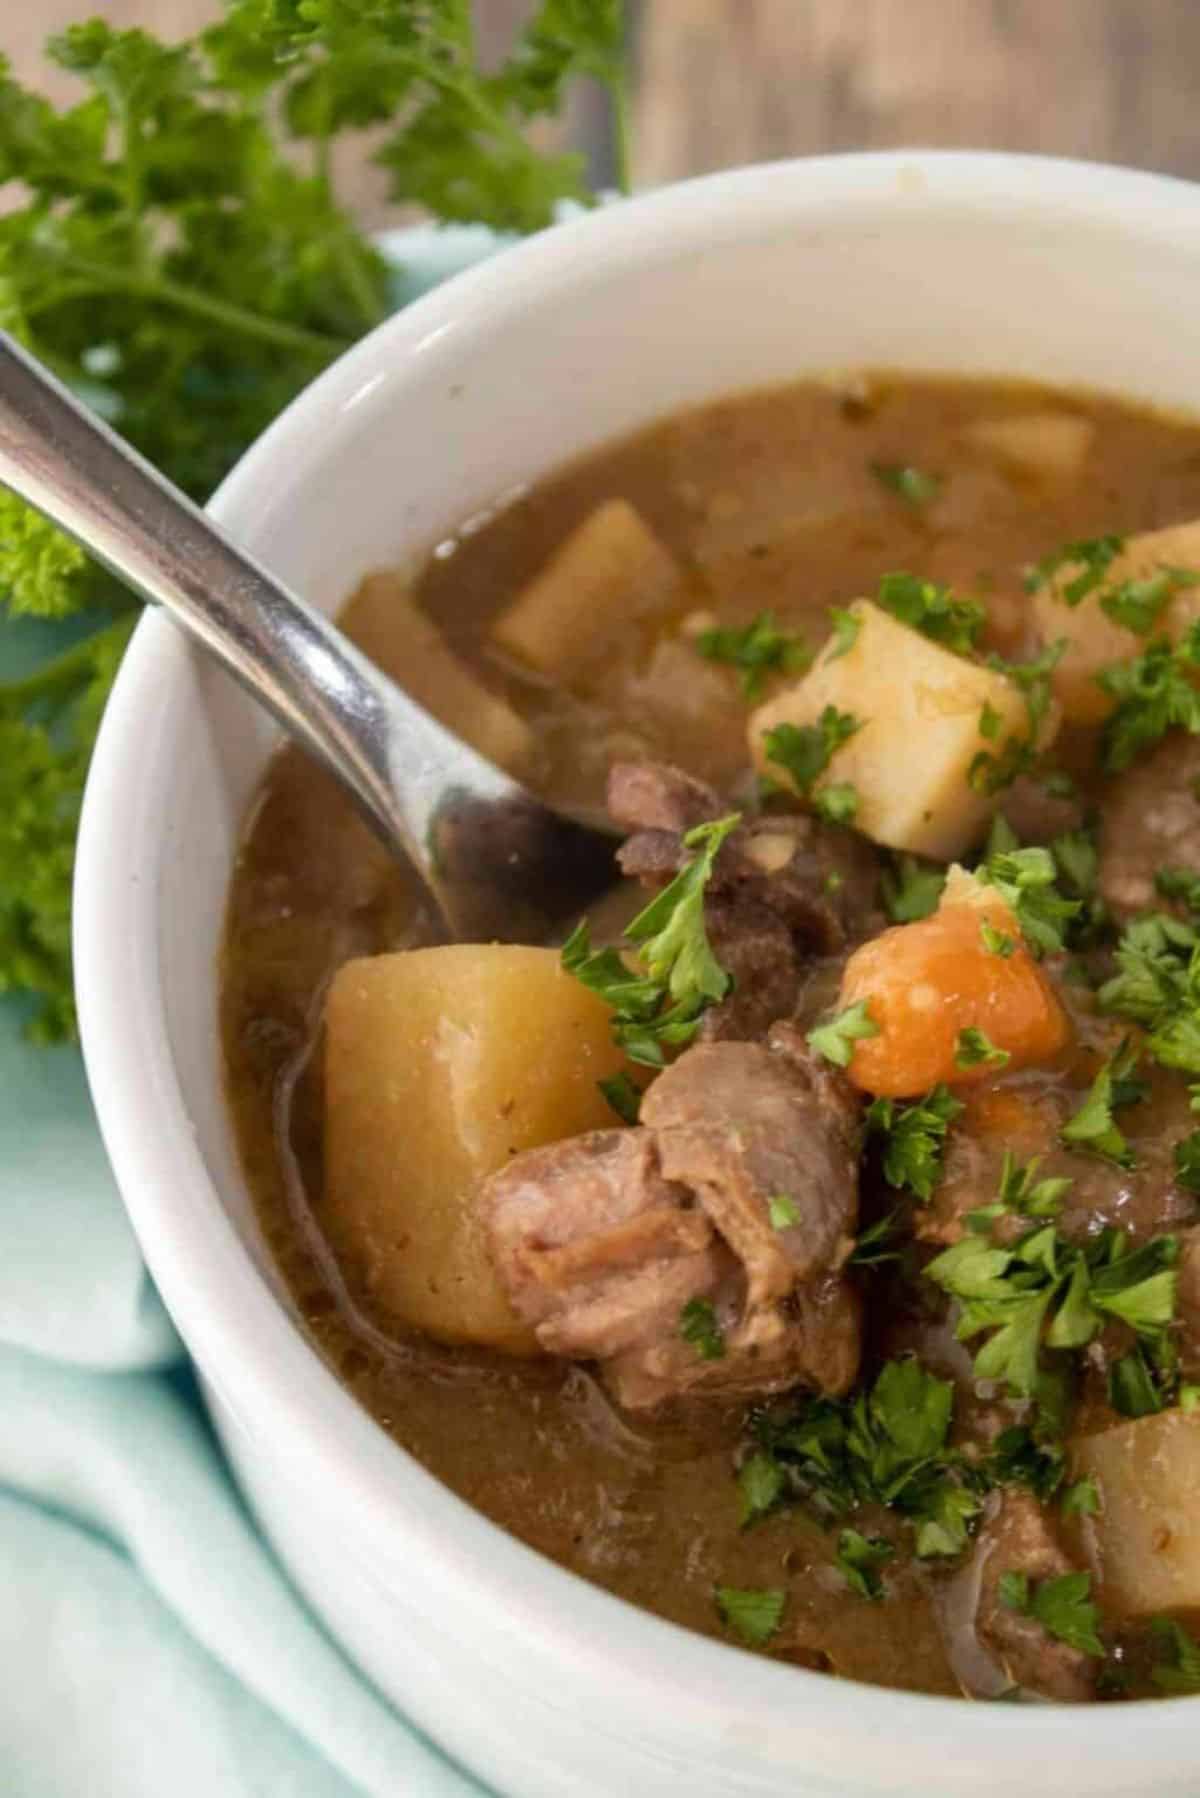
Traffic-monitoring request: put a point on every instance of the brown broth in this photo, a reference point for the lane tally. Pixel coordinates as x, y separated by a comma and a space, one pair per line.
770, 502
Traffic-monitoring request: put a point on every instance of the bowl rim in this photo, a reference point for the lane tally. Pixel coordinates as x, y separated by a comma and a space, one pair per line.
232, 1322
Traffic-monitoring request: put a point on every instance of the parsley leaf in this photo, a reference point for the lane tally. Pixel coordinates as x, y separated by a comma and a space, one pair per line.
990, 773
1132, 1388
1138, 604
804, 751
996, 942
916, 1136
1081, 1498
836, 1040
859, 1559
1157, 984
761, 648
913, 485
682, 978
837, 802
783, 1211
698, 1325
1187, 1162
887, 1446
754, 1613
1178, 1666
1092, 555
1093, 1126
846, 626
911, 889
975, 1049
1061, 1605
1025, 880
933, 610
1154, 693
623, 1095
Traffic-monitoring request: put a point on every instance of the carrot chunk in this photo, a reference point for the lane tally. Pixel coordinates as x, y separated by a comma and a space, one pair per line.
926, 983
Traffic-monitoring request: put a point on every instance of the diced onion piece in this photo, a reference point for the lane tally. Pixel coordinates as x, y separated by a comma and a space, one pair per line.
441, 1064
925, 983
1145, 1542
1049, 445
1094, 640
921, 708
611, 571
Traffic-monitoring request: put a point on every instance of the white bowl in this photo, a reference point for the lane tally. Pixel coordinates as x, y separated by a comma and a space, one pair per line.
959, 263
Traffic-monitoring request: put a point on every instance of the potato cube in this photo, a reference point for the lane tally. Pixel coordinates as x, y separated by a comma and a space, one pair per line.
611, 571
1145, 1543
440, 1064
1094, 640
387, 623
920, 708
1051, 446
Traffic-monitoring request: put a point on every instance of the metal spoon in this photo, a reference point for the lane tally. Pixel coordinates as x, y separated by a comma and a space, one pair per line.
499, 863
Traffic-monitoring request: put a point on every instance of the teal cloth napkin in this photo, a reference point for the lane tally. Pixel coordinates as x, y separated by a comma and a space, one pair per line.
150, 1645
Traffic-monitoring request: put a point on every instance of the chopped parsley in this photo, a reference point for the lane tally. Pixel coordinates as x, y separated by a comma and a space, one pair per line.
754, 1613
1022, 1194
887, 1446
1137, 605
1093, 1126
1018, 1458
1154, 693
698, 1325
1187, 1162
1026, 881
996, 942
682, 978
1081, 1498
837, 803
1045, 1292
759, 649
974, 1049
877, 1243
1179, 883
836, 1040
783, 1211
1157, 985
913, 485
1177, 1667
859, 1559
933, 610
1061, 1605
1093, 556
1134, 1386
911, 889
990, 772
915, 1138
804, 751
846, 626
624, 1096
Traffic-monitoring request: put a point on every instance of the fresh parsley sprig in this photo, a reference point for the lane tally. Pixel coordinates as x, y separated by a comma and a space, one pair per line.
932, 609
173, 247
759, 649
1154, 692
914, 1138
679, 977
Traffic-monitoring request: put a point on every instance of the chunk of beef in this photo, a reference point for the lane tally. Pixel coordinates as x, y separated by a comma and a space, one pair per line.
755, 947
738, 1125
783, 886
657, 796
595, 1247
1151, 820
1038, 816
1019, 1538
602, 1241
1025, 1117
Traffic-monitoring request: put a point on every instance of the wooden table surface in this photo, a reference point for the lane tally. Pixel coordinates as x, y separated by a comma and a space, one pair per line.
726, 81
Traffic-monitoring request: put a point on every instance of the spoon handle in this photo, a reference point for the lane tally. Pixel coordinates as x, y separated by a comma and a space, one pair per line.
396, 761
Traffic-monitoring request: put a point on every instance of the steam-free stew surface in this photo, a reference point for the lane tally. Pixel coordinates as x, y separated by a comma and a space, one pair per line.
770, 502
